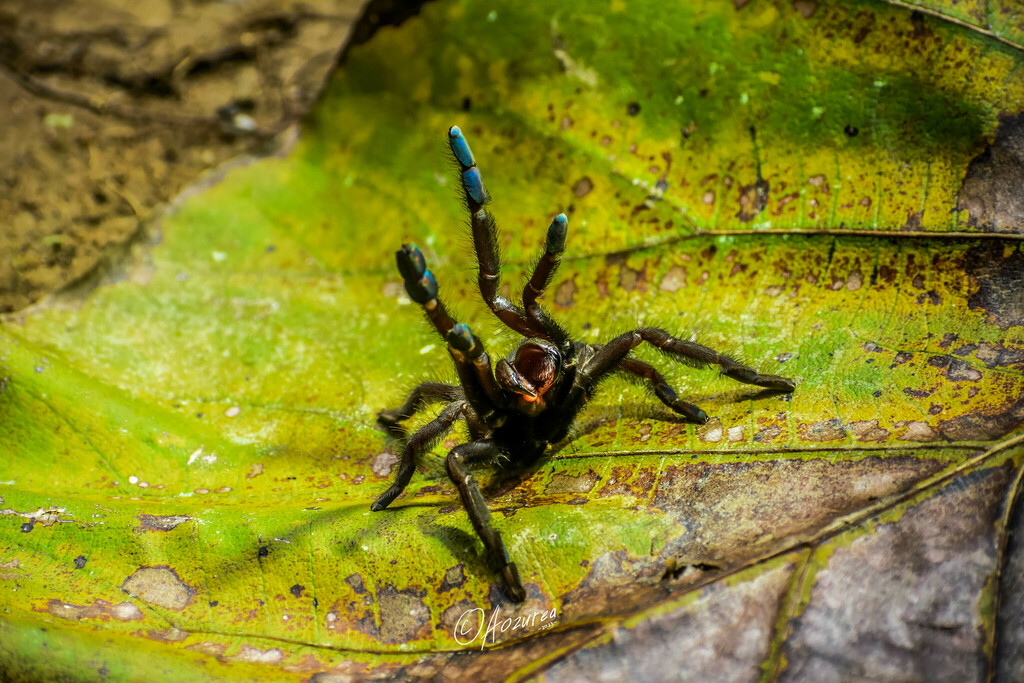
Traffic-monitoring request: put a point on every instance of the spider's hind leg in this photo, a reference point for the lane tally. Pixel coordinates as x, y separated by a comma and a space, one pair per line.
686, 352
457, 464
663, 391
419, 442
422, 395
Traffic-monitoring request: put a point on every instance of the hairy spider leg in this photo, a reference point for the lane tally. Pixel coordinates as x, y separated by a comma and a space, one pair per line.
548, 263
543, 273
485, 241
608, 357
422, 395
475, 373
421, 286
472, 364
422, 440
662, 390
457, 464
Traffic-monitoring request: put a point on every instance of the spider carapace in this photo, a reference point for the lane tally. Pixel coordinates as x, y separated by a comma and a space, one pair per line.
529, 400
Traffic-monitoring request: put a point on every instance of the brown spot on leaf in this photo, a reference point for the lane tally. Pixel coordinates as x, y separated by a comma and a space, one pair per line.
984, 426
170, 635
161, 522
913, 223
465, 616
806, 8
564, 483
901, 358
915, 431
997, 280
159, 586
208, 648
629, 480
583, 187
826, 430
918, 393
992, 192
674, 280
99, 609
382, 464
453, 578
257, 656
996, 355
868, 430
404, 617
753, 199
356, 581
630, 279
564, 293
955, 369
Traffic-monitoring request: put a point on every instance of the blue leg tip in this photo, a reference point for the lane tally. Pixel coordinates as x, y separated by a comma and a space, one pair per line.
474, 185
556, 234
423, 289
460, 148
461, 337
411, 263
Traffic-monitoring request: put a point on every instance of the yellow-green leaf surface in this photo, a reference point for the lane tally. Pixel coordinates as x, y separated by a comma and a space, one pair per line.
824, 190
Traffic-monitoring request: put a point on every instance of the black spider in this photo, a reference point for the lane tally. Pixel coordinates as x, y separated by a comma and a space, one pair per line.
531, 398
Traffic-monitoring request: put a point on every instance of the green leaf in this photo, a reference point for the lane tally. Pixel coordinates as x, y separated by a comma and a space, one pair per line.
189, 436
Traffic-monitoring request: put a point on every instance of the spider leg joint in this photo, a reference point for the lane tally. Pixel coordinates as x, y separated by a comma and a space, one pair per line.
461, 338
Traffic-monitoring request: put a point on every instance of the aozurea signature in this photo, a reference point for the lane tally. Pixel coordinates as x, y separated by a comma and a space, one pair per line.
530, 399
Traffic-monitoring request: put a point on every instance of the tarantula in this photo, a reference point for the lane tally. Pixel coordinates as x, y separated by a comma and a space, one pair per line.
530, 399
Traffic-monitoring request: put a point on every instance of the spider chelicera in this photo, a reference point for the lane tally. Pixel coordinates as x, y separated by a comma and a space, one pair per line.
530, 399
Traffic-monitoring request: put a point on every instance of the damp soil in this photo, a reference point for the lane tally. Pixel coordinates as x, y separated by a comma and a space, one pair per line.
108, 109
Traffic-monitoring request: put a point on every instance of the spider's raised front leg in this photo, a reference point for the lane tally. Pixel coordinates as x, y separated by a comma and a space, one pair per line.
421, 286
543, 273
422, 440
457, 464
485, 241
472, 364
663, 391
